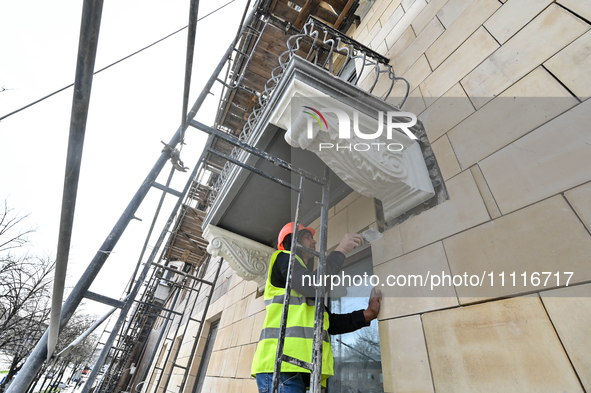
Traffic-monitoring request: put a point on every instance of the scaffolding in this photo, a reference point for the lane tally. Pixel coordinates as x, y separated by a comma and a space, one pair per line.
244, 96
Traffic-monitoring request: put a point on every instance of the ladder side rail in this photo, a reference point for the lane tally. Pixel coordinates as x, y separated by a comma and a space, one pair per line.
124, 331
105, 381
128, 340
316, 377
287, 296
165, 328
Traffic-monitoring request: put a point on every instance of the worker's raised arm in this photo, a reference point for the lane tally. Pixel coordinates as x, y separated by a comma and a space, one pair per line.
350, 242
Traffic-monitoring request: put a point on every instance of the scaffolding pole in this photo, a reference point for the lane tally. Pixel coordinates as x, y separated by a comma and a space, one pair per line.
39, 354
89, 32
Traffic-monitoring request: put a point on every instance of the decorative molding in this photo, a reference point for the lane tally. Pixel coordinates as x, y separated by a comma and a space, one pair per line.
372, 167
249, 259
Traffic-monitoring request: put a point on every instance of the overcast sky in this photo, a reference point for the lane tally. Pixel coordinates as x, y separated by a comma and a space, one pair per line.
134, 105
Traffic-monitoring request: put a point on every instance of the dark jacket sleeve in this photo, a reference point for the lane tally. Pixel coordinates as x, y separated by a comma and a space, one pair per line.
302, 280
346, 323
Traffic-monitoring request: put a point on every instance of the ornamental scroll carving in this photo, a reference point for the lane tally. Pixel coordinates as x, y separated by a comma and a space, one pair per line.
389, 168
249, 259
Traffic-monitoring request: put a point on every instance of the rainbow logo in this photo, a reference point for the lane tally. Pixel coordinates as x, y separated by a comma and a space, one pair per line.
316, 117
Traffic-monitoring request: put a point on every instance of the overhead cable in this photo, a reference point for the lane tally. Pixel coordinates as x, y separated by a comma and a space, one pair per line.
112, 64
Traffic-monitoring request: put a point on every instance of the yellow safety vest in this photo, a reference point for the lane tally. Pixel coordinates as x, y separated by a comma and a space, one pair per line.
299, 337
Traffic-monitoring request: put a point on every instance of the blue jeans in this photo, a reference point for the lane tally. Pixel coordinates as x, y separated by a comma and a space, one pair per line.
289, 383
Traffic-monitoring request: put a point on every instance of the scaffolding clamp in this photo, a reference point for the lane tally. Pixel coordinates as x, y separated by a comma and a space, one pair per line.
175, 157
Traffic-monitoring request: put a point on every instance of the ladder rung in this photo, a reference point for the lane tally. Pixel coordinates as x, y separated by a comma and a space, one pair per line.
179, 366
242, 53
104, 299
297, 362
223, 83
167, 189
313, 252
182, 273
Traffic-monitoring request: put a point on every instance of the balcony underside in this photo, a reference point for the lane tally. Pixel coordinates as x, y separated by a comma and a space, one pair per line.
257, 208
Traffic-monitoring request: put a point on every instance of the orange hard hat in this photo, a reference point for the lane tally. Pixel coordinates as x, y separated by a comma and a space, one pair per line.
288, 230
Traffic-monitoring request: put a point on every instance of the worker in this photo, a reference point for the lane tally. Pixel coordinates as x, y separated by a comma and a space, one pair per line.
300, 320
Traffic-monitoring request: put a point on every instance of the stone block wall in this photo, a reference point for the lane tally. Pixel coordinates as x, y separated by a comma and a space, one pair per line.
501, 87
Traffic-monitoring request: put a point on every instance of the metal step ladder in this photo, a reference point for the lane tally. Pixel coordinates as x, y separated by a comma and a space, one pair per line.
315, 367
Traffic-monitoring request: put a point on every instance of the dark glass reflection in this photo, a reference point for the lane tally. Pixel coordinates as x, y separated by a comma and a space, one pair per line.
357, 358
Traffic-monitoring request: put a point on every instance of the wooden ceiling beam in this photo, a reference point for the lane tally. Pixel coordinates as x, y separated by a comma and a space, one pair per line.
343, 14
310, 7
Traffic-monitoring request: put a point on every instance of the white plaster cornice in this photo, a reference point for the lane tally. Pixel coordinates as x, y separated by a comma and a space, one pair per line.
399, 179
248, 259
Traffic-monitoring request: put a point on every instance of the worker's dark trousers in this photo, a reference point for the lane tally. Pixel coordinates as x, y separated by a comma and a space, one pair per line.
289, 383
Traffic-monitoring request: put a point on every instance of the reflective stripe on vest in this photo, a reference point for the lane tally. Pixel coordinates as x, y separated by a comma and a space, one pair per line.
293, 331
293, 300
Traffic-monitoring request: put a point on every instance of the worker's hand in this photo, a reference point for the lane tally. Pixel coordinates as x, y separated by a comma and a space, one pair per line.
350, 242
373, 308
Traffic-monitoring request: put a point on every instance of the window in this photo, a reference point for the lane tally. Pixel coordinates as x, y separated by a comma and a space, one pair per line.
213, 330
356, 355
